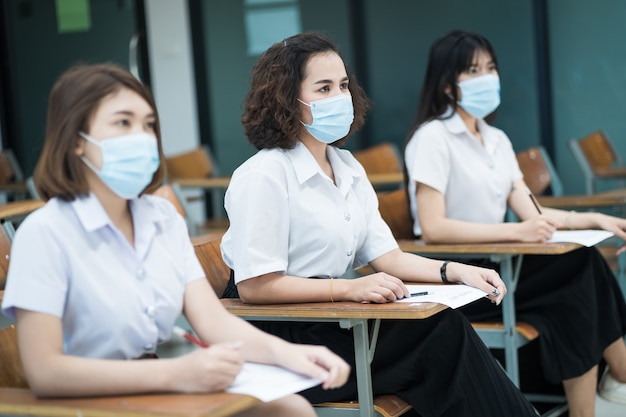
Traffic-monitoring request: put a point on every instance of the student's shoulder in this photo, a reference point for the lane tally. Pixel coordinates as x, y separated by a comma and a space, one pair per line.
264, 161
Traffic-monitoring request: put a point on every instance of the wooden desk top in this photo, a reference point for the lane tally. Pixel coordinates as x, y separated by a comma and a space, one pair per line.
504, 248
210, 182
339, 310
616, 172
22, 402
19, 208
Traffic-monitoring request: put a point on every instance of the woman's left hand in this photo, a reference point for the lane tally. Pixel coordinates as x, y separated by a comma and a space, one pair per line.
613, 224
484, 279
316, 362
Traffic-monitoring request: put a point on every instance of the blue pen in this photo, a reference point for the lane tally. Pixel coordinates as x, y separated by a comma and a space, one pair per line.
415, 294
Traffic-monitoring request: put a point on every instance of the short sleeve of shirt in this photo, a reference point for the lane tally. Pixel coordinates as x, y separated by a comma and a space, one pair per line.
37, 278
429, 161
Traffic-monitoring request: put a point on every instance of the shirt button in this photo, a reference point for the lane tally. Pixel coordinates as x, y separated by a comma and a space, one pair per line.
141, 273
347, 217
150, 311
349, 252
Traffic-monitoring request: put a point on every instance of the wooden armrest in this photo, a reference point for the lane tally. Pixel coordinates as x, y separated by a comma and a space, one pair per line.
610, 172
339, 310
23, 402
583, 201
19, 208
387, 405
525, 329
208, 183
486, 249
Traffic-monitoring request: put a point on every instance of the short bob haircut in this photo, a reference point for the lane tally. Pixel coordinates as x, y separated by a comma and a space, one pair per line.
449, 56
271, 116
73, 101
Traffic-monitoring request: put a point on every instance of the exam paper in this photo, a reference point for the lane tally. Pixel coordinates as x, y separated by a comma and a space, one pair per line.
453, 296
582, 237
269, 382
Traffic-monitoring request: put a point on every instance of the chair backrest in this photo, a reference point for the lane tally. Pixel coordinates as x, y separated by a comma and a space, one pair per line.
10, 170
5, 252
11, 371
210, 257
196, 163
383, 158
598, 151
539, 172
395, 211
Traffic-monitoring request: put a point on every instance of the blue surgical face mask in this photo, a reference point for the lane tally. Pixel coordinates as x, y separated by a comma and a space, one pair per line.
480, 96
128, 162
332, 117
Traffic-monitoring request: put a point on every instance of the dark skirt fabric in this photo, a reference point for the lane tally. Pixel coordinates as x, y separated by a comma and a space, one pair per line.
439, 365
575, 303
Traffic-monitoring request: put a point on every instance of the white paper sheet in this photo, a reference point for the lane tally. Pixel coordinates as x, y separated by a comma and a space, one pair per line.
269, 382
453, 296
582, 237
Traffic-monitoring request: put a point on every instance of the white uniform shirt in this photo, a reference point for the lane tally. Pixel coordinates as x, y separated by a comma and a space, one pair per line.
114, 301
287, 216
475, 180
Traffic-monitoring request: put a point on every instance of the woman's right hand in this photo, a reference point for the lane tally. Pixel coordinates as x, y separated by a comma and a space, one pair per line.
208, 369
537, 229
375, 288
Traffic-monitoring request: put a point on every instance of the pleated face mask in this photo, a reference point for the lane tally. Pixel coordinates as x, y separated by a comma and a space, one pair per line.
480, 96
332, 117
128, 162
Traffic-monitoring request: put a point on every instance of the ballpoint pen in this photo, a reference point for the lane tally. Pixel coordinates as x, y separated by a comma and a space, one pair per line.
415, 294
189, 337
532, 198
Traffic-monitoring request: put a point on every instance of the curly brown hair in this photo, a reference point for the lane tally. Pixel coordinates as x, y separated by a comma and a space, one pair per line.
74, 99
271, 116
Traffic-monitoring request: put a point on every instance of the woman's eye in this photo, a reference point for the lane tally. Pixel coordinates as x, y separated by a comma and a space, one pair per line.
150, 126
123, 122
324, 89
344, 86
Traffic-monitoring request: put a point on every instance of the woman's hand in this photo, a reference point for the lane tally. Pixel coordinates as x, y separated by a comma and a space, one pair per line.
613, 224
208, 369
316, 362
375, 288
484, 279
537, 229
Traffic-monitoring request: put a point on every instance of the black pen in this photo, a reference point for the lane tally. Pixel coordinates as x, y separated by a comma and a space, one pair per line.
533, 200
415, 294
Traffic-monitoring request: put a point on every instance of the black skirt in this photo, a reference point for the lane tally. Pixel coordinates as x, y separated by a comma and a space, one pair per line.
439, 365
575, 303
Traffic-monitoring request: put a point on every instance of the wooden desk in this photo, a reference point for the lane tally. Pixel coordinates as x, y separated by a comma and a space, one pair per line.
347, 315
205, 183
388, 179
22, 402
509, 256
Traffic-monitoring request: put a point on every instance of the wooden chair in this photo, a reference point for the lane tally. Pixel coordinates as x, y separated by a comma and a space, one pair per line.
380, 159
539, 172
11, 177
196, 169
597, 159
218, 273
383, 165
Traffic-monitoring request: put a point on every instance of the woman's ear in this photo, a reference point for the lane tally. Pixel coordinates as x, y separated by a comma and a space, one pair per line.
79, 149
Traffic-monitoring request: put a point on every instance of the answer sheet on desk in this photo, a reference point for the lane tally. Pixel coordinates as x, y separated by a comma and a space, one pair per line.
582, 237
269, 382
453, 296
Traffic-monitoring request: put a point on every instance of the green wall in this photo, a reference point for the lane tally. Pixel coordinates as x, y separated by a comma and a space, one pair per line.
38, 54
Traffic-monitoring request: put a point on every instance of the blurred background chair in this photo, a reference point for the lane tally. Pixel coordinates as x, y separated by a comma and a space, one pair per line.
598, 160
12, 183
196, 170
383, 165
